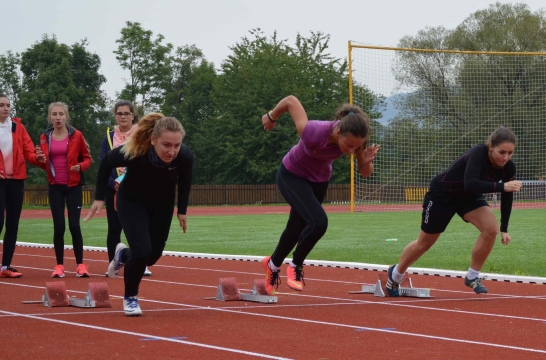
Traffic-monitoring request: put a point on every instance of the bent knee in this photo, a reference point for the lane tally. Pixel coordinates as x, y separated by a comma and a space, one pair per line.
490, 231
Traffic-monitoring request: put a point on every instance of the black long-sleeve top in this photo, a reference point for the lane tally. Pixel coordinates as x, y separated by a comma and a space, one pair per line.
146, 183
473, 173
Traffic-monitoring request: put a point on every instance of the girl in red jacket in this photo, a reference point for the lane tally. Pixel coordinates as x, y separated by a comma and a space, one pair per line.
67, 157
15, 147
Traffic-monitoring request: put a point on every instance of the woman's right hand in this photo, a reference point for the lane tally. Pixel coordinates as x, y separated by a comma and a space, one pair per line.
94, 209
512, 186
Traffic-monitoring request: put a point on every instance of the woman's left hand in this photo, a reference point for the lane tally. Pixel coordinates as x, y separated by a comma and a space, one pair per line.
76, 168
505, 238
370, 153
182, 220
95, 208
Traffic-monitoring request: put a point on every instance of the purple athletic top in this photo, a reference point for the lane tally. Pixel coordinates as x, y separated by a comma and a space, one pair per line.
311, 158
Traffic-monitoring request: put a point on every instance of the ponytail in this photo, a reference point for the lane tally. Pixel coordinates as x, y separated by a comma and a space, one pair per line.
150, 125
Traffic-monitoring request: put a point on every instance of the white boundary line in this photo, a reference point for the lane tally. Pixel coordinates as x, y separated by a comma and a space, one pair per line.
279, 317
142, 335
322, 263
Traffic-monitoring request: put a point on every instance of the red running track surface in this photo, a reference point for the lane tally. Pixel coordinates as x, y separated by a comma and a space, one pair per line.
322, 322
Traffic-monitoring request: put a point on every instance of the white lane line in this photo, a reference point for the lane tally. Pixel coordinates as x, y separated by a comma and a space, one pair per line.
538, 297
405, 304
336, 299
279, 317
142, 335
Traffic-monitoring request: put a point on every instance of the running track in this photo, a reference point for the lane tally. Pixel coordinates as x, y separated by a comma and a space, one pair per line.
322, 322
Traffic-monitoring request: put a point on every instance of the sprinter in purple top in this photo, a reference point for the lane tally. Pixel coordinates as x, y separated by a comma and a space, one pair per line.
303, 179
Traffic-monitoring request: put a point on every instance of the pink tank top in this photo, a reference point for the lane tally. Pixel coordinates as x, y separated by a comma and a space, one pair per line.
58, 156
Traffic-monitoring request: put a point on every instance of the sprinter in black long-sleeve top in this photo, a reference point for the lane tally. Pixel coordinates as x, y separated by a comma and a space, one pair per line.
156, 161
482, 169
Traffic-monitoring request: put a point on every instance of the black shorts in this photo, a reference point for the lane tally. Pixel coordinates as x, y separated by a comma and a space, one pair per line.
439, 208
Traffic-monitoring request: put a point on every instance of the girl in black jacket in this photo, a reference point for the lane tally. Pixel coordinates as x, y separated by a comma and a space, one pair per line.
156, 162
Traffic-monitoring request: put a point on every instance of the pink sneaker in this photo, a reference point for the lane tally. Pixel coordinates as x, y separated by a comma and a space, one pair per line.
10, 273
272, 279
81, 271
295, 278
58, 272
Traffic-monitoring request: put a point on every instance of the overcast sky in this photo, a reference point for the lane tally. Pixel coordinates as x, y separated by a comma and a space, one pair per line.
214, 26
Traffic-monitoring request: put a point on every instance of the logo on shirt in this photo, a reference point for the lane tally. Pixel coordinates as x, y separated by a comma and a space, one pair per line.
172, 168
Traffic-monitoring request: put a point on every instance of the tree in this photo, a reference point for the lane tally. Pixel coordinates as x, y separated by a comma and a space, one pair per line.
10, 79
145, 58
58, 72
260, 72
188, 89
463, 93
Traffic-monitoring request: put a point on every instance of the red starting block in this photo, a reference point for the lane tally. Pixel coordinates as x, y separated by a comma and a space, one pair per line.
228, 290
56, 295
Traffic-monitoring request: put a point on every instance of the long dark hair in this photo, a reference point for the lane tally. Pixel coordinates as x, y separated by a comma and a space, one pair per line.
501, 135
354, 121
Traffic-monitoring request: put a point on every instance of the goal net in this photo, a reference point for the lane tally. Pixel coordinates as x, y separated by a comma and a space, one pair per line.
431, 106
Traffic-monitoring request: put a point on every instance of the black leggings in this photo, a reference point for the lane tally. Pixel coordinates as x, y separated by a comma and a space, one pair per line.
114, 226
307, 222
146, 228
72, 196
11, 200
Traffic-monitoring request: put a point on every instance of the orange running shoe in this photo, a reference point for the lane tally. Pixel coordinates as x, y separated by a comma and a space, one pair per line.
272, 279
10, 272
81, 271
58, 272
295, 277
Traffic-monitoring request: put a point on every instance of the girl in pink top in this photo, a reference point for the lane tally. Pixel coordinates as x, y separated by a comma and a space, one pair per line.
67, 157
303, 179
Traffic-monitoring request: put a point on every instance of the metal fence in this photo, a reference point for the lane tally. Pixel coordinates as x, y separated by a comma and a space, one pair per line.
208, 194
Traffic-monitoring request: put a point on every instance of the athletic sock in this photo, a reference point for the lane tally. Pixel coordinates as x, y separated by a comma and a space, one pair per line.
472, 274
292, 264
272, 266
396, 276
4, 268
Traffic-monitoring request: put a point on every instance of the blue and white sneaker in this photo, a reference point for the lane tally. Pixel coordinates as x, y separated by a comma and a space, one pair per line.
130, 306
391, 285
476, 284
115, 265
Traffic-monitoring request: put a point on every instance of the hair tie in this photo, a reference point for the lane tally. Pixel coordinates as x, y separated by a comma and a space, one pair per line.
351, 113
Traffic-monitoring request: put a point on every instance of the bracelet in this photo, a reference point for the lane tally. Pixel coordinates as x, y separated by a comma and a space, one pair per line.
271, 117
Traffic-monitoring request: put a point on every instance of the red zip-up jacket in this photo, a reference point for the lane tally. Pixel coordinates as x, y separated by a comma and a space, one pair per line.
23, 148
77, 154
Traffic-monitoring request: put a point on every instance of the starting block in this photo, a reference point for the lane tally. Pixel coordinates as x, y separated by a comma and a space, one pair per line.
228, 290
406, 288
56, 295
97, 297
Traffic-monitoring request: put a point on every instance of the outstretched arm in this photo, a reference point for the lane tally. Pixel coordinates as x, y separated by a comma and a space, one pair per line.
291, 105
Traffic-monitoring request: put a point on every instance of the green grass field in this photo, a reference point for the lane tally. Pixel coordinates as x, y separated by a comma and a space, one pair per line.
358, 237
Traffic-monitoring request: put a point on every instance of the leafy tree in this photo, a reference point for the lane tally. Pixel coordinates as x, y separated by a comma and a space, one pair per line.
146, 60
10, 79
188, 89
259, 73
463, 93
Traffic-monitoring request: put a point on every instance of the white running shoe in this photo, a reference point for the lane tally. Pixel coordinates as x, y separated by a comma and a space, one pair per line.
147, 272
116, 264
130, 306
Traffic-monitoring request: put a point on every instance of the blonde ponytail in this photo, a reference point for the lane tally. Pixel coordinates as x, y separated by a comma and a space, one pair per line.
150, 125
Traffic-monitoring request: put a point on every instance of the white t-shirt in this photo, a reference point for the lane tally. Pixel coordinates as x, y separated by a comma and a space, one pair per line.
6, 146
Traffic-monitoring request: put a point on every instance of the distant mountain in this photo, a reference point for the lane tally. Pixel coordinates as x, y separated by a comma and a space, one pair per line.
390, 111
